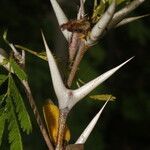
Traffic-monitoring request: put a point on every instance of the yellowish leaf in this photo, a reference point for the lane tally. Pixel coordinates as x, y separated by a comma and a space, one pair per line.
103, 97
51, 116
98, 10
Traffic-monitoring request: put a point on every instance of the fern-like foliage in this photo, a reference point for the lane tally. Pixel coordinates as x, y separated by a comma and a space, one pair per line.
21, 111
13, 128
12, 108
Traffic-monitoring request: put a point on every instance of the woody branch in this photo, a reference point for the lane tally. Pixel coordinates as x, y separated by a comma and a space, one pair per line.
78, 47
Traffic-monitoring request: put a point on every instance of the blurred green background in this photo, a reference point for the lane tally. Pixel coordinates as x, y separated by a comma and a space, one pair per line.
125, 124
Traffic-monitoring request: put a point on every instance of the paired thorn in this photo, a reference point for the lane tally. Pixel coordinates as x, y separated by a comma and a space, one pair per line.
67, 98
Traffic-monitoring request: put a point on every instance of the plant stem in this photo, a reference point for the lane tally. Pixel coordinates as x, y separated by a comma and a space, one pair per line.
37, 115
73, 46
79, 56
62, 126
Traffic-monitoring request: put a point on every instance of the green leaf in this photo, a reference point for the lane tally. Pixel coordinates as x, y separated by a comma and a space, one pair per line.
103, 97
2, 78
18, 70
2, 126
21, 111
95, 4
14, 135
98, 10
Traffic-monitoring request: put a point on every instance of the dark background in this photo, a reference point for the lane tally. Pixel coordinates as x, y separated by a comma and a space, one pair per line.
125, 124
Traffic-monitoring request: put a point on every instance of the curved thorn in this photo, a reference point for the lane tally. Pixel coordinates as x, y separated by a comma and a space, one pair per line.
99, 28
61, 17
84, 136
83, 91
59, 87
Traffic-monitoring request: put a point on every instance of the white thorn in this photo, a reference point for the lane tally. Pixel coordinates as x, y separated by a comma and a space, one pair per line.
61, 17
83, 91
67, 98
84, 136
130, 19
121, 14
99, 28
59, 87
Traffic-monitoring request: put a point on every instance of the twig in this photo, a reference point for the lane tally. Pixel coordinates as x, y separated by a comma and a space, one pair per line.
79, 56
21, 59
73, 46
61, 129
37, 115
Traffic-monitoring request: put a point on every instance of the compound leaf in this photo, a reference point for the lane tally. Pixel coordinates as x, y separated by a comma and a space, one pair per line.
14, 135
21, 111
